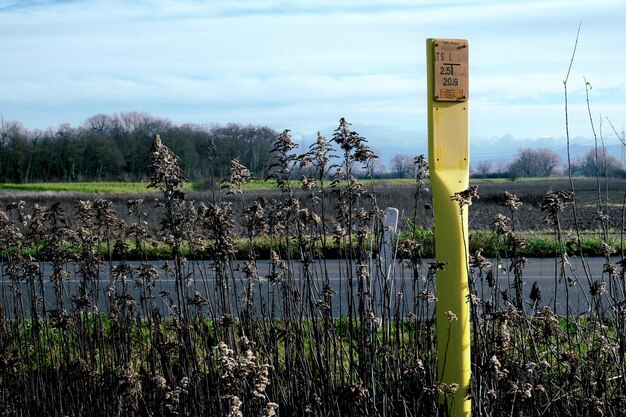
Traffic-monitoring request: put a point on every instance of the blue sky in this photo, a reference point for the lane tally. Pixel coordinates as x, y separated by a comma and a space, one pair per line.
304, 64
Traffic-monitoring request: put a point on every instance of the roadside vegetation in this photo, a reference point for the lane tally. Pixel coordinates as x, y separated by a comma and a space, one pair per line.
390, 193
85, 332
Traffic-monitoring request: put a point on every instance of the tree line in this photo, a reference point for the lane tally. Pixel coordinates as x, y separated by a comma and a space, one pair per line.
114, 148
542, 162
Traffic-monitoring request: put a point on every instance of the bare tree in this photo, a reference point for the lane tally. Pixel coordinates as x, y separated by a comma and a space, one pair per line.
603, 165
16, 151
402, 166
483, 168
250, 144
531, 162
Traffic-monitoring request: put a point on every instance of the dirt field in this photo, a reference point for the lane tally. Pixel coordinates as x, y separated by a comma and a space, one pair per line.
531, 193
482, 212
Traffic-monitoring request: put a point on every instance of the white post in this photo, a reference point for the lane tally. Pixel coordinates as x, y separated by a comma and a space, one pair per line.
390, 225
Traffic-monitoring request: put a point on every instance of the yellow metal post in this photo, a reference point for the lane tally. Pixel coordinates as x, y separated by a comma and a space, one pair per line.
448, 151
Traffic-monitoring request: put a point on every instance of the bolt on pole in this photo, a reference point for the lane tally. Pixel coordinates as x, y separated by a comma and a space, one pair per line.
448, 156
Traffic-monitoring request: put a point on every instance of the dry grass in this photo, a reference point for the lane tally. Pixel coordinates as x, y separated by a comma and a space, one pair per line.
98, 338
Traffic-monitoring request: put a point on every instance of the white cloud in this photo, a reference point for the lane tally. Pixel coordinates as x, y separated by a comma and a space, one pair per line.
306, 63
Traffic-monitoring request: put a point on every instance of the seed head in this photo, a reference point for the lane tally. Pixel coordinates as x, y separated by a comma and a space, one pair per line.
465, 197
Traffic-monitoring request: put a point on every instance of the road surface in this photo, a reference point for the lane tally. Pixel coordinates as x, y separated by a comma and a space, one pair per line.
405, 292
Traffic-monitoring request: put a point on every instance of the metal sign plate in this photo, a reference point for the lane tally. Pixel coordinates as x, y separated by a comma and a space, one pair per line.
451, 70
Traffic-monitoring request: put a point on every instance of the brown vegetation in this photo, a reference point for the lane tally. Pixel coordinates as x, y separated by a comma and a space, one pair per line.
264, 340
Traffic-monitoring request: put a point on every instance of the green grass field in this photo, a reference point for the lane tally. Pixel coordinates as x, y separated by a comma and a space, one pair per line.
258, 184
118, 187
82, 187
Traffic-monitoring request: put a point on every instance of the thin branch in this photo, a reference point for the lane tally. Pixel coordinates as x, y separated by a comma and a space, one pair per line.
621, 139
571, 62
567, 136
595, 142
569, 160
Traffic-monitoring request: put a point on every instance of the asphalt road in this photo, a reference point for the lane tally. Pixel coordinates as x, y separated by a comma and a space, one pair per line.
405, 292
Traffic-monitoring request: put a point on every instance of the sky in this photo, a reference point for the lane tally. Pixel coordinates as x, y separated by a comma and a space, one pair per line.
304, 64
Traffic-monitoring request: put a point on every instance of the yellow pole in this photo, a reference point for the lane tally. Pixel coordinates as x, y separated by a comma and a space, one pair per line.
448, 151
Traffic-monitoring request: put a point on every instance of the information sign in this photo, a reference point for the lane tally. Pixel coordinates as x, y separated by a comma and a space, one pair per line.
451, 70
